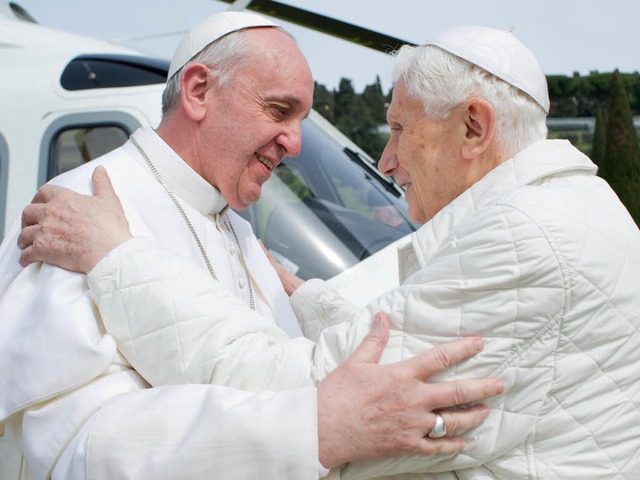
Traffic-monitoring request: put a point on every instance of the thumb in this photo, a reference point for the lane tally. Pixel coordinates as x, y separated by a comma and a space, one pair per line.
102, 186
370, 350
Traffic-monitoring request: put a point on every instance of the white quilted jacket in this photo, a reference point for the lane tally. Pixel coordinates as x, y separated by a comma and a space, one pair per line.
539, 258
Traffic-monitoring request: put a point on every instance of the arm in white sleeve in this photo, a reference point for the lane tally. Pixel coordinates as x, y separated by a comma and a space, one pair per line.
59, 369
498, 278
156, 305
197, 431
318, 305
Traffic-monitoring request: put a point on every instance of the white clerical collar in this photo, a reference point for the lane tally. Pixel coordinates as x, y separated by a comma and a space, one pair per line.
183, 181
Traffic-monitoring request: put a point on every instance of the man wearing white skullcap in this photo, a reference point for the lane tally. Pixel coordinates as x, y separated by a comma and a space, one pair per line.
522, 244
73, 398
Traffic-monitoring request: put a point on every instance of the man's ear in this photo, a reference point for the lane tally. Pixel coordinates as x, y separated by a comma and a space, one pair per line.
479, 118
194, 85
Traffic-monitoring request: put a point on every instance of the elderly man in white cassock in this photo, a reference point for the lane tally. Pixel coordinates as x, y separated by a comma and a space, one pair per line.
522, 244
76, 408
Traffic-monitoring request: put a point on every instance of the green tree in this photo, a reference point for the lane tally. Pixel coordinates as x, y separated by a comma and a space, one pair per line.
357, 119
346, 106
633, 88
561, 95
374, 100
599, 141
621, 167
374, 104
580, 96
324, 102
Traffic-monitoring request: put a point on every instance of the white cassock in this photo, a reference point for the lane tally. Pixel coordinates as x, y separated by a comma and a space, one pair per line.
72, 403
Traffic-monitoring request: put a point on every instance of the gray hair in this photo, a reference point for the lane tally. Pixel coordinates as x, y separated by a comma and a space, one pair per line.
442, 81
225, 56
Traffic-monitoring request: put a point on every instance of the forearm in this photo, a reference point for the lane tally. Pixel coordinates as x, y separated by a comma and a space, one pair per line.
318, 305
196, 431
157, 305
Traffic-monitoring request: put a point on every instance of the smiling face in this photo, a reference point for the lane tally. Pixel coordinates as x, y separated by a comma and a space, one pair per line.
423, 155
254, 120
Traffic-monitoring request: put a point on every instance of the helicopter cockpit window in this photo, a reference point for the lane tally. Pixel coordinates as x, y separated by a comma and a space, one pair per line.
321, 212
109, 71
72, 147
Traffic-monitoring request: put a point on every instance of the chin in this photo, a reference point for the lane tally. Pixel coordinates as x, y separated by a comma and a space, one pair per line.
415, 215
244, 203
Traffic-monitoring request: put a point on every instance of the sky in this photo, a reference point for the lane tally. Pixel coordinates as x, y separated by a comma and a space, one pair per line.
566, 35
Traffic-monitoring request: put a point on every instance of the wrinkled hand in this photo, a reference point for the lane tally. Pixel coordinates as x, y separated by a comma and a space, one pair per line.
70, 230
368, 411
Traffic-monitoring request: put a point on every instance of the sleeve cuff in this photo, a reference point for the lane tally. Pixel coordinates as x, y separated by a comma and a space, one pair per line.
101, 277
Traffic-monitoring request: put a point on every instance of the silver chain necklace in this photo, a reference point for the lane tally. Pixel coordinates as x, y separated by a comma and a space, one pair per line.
227, 222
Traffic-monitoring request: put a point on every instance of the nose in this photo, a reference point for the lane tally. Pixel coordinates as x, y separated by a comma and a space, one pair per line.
388, 161
291, 139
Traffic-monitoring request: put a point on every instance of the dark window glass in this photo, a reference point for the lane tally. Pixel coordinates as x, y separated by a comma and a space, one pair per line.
74, 146
110, 71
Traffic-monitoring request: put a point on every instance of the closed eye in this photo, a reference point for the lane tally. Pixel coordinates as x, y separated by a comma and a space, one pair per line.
279, 111
394, 127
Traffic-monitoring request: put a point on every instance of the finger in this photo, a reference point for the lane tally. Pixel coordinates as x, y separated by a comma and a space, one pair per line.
440, 446
102, 186
460, 392
46, 193
25, 239
27, 256
441, 357
459, 420
371, 347
32, 214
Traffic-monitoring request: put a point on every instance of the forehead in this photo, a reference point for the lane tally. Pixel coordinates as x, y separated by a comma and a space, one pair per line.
277, 61
275, 45
403, 104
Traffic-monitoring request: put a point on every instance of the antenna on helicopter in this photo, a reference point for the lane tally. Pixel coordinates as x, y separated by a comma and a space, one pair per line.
12, 9
321, 23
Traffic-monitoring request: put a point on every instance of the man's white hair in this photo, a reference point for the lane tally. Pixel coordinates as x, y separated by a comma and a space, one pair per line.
225, 57
442, 81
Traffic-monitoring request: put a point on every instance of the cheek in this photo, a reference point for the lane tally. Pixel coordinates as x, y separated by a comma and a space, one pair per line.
414, 147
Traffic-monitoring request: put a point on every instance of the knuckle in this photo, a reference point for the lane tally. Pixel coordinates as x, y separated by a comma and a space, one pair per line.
396, 376
443, 357
42, 193
459, 394
408, 443
24, 259
452, 422
22, 241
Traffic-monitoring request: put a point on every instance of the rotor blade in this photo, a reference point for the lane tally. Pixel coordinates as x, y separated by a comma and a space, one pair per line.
330, 26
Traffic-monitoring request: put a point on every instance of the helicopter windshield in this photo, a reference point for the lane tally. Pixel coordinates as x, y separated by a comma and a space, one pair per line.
327, 209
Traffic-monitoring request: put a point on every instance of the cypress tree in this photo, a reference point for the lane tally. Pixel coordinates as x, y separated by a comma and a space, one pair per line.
622, 154
323, 102
373, 99
599, 141
346, 108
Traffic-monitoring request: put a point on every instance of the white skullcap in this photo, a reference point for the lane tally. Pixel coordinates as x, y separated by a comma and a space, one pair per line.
211, 29
498, 52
